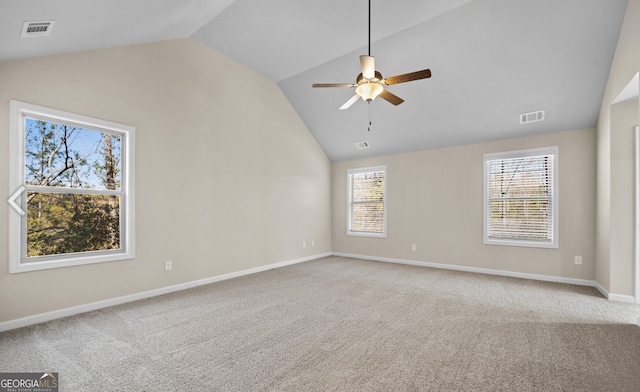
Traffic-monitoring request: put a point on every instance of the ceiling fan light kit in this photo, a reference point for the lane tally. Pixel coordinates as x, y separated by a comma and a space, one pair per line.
370, 83
368, 91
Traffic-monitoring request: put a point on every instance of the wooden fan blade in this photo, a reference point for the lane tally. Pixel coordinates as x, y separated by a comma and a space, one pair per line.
333, 85
390, 97
368, 64
350, 102
408, 77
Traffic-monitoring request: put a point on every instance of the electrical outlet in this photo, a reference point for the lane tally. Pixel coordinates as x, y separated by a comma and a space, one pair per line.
168, 265
578, 260
413, 246
313, 242
304, 244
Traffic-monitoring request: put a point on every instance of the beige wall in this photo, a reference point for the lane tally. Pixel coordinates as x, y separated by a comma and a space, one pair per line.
624, 116
614, 269
227, 177
435, 201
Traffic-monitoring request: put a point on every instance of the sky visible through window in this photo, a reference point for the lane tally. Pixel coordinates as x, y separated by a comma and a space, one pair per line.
69, 156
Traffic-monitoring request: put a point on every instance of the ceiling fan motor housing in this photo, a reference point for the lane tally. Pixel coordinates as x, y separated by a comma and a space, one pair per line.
376, 79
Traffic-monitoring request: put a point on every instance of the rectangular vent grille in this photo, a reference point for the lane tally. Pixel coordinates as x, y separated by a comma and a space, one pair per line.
362, 145
37, 29
526, 118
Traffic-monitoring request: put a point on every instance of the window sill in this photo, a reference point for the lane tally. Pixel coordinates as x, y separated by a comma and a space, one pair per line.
521, 243
365, 234
46, 263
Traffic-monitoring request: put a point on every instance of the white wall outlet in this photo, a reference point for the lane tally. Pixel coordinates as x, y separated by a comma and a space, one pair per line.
413, 247
304, 244
168, 265
578, 260
313, 242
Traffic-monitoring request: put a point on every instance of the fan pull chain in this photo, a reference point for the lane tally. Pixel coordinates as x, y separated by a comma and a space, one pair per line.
369, 104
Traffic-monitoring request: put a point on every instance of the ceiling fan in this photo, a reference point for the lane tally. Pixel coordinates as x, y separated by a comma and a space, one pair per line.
370, 84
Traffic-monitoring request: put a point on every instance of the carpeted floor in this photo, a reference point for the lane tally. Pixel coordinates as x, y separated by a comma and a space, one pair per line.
338, 324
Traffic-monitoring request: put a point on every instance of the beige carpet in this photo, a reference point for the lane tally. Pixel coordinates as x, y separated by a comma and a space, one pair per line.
340, 324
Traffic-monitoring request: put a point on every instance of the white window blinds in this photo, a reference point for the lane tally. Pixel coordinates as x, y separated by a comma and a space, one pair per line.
520, 198
367, 201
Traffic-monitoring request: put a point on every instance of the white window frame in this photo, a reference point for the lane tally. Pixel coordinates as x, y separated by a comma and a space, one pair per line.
555, 191
18, 261
350, 173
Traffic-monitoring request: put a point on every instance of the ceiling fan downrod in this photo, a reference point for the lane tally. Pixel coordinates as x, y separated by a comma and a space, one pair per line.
369, 28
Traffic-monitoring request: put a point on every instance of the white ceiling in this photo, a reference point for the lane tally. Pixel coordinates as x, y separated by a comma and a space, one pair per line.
91, 24
491, 59
282, 38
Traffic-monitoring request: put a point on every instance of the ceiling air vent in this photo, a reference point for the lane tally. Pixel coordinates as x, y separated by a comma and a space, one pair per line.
37, 29
526, 118
362, 145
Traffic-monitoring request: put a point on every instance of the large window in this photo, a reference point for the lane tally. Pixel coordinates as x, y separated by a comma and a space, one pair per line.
72, 183
521, 198
366, 204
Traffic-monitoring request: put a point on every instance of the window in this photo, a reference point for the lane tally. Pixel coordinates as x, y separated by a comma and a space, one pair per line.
367, 199
72, 178
521, 198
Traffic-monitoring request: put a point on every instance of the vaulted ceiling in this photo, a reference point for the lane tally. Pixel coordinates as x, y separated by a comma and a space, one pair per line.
491, 60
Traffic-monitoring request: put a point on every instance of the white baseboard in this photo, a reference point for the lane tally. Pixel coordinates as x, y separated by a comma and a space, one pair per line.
630, 299
545, 278
487, 271
48, 316
601, 289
